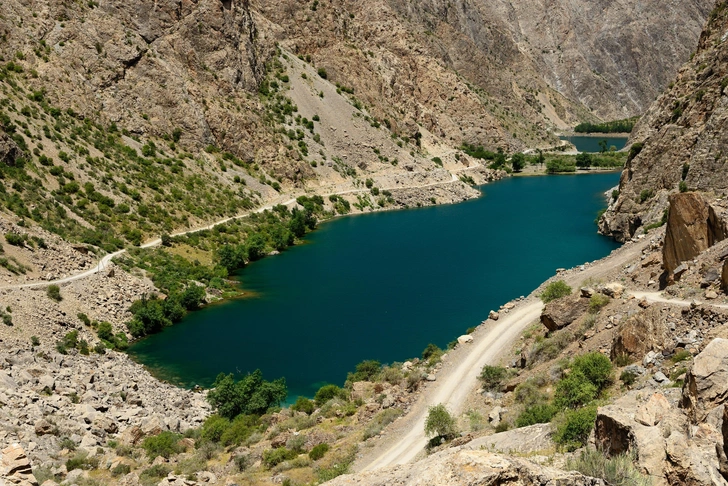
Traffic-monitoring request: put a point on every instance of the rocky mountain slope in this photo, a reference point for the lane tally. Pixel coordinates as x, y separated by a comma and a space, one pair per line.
681, 140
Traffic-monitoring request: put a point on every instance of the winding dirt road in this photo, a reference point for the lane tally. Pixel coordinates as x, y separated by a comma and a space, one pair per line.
104, 262
405, 440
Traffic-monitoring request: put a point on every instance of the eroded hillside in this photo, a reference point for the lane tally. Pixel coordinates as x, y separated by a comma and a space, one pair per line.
681, 143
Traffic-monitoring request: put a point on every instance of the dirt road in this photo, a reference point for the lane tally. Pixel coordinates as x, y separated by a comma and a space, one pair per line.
406, 439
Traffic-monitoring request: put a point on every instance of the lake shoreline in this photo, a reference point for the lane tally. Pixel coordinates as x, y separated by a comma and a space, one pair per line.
274, 282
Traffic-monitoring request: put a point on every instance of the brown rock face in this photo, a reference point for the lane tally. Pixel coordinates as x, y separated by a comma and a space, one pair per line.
562, 312
682, 137
706, 384
15, 467
690, 229
724, 277
641, 333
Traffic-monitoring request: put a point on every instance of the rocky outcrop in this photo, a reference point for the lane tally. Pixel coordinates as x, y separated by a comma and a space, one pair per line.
15, 467
706, 384
678, 435
681, 138
562, 312
9, 150
643, 332
457, 466
692, 227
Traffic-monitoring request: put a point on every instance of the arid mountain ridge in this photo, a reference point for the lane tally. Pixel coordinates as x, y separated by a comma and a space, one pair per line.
498, 73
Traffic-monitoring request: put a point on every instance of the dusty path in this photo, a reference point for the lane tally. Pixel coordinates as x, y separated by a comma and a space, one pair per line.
660, 298
454, 386
405, 441
104, 262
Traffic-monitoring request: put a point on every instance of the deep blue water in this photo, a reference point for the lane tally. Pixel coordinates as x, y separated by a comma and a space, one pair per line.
591, 144
384, 285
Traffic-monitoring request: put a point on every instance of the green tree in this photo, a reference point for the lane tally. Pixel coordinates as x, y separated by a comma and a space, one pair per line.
583, 160
518, 162
440, 423
192, 297
105, 332
231, 257
251, 395
603, 146
255, 245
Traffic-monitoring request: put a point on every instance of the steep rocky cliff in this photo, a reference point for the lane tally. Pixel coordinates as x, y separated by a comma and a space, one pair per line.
486, 71
681, 140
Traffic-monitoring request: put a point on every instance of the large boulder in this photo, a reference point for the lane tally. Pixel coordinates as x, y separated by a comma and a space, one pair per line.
706, 383
643, 332
619, 429
692, 227
562, 312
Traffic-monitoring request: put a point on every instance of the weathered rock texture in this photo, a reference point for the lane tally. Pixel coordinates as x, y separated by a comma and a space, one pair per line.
15, 467
643, 332
683, 137
706, 384
692, 227
678, 436
458, 466
562, 312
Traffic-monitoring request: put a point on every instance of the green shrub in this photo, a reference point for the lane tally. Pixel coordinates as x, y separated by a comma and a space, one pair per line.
555, 290
365, 371
616, 470
214, 427
440, 423
318, 451
273, 457
683, 186
528, 394
573, 429
622, 359
240, 429
595, 367
154, 474
380, 421
575, 390
645, 194
327, 392
681, 356
432, 354
322, 73
121, 470
536, 414
15, 239
165, 444
492, 377
54, 292
304, 405
597, 302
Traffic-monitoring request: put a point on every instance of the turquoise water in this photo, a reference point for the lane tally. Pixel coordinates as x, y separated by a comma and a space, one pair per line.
591, 144
384, 285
